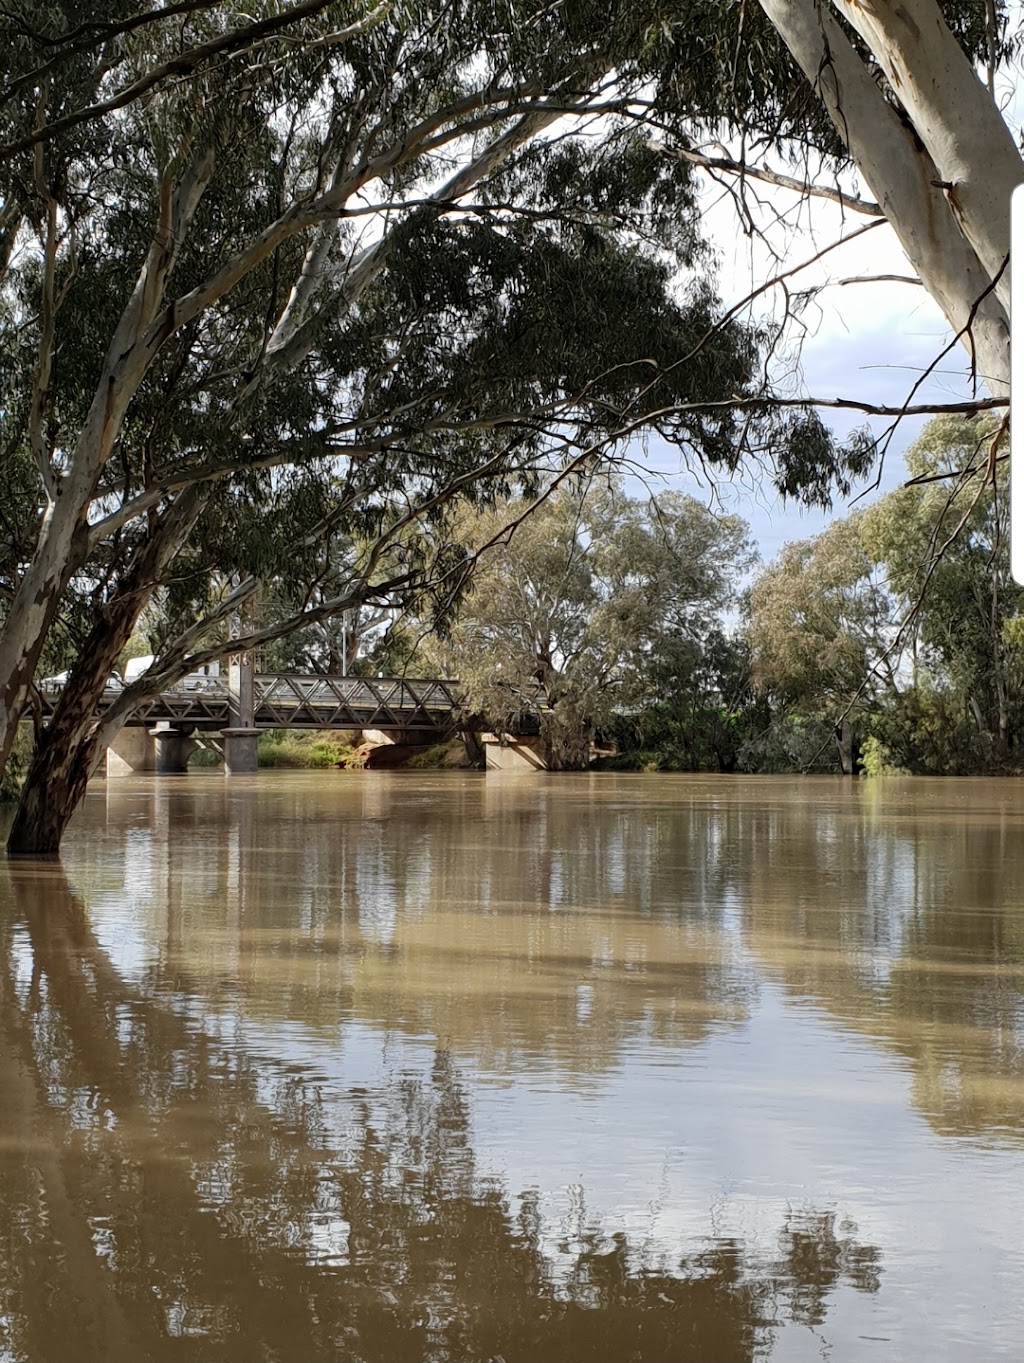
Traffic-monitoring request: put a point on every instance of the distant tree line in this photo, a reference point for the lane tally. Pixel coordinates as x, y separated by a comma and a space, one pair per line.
894, 640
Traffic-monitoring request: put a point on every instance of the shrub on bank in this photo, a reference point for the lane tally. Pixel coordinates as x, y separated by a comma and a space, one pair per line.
877, 760
205, 758
297, 749
662, 737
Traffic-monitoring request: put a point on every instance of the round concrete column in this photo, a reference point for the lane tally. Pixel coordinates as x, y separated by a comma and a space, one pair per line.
173, 749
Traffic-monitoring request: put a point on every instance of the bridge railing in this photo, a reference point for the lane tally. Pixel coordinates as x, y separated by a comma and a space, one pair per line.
392, 700
298, 701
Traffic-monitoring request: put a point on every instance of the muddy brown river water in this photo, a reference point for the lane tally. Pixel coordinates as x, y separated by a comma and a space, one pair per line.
309, 1068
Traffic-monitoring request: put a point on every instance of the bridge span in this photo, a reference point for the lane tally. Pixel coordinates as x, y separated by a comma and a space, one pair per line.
295, 702
229, 713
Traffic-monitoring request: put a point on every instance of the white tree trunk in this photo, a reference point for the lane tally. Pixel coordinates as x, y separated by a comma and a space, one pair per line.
902, 173
954, 115
63, 539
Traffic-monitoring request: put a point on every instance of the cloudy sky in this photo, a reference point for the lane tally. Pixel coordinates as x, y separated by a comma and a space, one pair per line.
866, 340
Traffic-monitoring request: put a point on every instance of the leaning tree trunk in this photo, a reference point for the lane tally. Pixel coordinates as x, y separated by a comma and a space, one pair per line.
914, 162
31, 613
67, 750
54, 786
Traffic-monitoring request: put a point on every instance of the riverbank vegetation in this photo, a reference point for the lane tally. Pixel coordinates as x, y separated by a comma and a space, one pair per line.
304, 750
893, 641
283, 292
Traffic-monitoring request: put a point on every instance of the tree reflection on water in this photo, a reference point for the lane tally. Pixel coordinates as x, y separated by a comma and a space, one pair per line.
165, 1195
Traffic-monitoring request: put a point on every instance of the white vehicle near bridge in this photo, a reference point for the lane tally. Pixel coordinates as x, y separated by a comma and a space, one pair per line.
204, 678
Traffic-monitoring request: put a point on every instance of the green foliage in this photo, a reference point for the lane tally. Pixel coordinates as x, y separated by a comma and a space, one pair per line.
790, 742
908, 614
945, 546
660, 738
594, 602
877, 759
17, 764
816, 619
286, 748
503, 310
931, 730
205, 758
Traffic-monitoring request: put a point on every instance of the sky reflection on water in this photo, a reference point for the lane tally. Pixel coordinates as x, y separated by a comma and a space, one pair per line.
450, 1068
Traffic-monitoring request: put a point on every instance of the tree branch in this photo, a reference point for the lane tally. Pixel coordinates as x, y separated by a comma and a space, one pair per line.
185, 63
771, 177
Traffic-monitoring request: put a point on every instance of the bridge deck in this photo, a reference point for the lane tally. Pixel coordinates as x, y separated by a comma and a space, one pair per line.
300, 702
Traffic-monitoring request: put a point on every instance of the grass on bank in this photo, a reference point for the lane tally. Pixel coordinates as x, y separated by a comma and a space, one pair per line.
318, 749
281, 748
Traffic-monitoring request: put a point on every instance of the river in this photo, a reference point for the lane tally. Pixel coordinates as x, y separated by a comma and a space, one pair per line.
317, 1067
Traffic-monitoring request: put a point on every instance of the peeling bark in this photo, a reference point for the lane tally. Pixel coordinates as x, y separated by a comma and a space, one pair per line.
953, 114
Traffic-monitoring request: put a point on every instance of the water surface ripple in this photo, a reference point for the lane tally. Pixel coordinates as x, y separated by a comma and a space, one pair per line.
447, 1069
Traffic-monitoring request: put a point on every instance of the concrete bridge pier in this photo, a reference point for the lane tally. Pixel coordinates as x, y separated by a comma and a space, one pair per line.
241, 739
133, 750
240, 751
173, 749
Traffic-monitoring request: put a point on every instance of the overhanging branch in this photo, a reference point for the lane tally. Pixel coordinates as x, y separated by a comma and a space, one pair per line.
728, 166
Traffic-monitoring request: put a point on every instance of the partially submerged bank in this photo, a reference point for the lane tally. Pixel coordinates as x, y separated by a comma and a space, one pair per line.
357, 752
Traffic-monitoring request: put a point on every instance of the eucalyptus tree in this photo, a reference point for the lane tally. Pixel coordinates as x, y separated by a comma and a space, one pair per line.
904, 617
943, 543
583, 607
319, 275
818, 626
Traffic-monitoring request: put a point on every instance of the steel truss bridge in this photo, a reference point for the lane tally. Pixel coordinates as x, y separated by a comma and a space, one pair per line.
296, 702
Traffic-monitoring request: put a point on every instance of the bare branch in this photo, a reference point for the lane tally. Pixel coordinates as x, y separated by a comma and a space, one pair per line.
728, 166
881, 279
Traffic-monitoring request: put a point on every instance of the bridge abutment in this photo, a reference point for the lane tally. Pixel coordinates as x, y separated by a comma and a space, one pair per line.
515, 755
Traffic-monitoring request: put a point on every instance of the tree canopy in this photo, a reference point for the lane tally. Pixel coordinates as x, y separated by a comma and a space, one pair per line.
281, 292
903, 619
596, 603
312, 277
